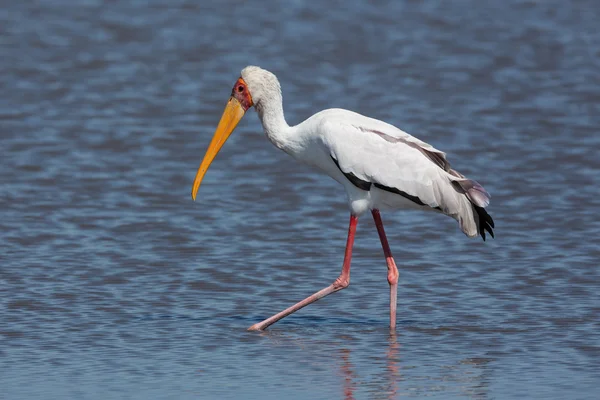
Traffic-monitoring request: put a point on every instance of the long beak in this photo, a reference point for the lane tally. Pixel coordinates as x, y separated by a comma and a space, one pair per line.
231, 116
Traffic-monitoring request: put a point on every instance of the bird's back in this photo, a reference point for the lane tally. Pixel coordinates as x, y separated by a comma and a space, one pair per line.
395, 168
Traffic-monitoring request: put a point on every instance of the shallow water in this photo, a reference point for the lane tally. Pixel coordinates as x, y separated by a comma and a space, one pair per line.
114, 284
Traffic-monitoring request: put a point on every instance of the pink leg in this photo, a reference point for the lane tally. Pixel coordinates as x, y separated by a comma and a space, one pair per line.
391, 265
340, 283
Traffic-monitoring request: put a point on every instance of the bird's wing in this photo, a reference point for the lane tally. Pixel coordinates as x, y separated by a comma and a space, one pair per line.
370, 153
377, 152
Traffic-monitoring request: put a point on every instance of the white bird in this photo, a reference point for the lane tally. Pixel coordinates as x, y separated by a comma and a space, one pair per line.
379, 165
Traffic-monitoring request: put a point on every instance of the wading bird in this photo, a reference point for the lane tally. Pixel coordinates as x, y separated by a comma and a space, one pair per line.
379, 165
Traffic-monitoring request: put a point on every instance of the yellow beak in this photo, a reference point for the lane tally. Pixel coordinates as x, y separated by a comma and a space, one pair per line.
231, 116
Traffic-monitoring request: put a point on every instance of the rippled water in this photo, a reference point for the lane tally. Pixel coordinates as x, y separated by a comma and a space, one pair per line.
114, 284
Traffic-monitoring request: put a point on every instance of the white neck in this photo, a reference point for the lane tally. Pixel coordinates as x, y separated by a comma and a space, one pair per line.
270, 112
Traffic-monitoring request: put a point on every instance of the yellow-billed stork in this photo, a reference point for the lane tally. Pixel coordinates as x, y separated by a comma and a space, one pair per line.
379, 165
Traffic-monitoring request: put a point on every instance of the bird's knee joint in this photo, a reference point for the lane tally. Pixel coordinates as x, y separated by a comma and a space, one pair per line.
392, 277
341, 283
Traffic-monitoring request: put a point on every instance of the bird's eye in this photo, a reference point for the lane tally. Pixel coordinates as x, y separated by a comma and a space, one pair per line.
240, 88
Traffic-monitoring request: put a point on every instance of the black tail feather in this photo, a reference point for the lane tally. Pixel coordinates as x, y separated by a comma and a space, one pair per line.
486, 223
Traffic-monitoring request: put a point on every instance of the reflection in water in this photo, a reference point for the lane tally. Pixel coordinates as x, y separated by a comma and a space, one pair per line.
478, 382
377, 372
391, 374
393, 365
347, 372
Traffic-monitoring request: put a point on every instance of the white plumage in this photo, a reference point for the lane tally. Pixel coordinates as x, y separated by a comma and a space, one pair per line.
379, 165
374, 152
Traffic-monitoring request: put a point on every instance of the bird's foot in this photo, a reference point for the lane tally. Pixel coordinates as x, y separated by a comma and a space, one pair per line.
255, 327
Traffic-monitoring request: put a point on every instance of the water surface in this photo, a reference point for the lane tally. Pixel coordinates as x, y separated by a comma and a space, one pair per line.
114, 284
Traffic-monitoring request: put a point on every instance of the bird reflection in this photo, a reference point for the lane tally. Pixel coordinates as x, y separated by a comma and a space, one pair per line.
393, 366
347, 372
377, 370
392, 371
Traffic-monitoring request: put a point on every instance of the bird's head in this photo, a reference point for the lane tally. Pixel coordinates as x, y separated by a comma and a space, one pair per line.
253, 86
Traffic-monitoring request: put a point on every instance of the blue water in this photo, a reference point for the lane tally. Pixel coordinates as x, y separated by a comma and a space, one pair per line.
114, 284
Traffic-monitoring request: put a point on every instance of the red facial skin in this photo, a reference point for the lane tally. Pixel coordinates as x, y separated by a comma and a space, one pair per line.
242, 94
